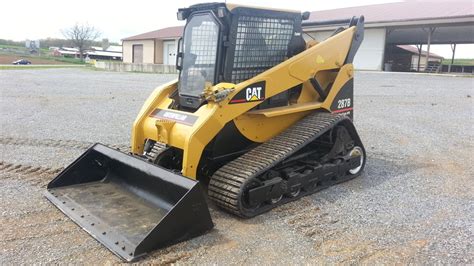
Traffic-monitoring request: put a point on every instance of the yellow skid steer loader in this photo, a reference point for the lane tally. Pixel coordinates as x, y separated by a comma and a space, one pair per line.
258, 116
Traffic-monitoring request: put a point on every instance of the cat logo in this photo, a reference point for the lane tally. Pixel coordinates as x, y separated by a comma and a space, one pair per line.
253, 93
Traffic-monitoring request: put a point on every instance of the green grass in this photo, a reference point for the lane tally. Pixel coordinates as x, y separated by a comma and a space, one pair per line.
25, 67
16, 47
11, 46
44, 54
68, 60
465, 62
64, 59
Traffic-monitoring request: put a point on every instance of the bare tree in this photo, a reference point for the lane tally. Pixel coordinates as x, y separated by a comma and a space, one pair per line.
81, 35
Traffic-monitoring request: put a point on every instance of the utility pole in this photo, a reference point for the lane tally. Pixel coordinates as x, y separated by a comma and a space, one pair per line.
453, 49
430, 33
420, 46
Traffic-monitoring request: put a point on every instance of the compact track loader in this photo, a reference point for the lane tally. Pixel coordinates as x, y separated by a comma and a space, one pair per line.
258, 116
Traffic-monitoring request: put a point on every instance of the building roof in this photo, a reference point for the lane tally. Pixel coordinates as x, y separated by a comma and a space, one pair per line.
114, 48
71, 49
165, 33
414, 50
105, 53
111, 48
400, 11
67, 52
410, 10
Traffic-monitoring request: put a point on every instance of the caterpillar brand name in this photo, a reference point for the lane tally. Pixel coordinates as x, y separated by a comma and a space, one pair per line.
253, 93
175, 116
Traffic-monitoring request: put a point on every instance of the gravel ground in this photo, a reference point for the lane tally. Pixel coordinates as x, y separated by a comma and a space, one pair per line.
413, 203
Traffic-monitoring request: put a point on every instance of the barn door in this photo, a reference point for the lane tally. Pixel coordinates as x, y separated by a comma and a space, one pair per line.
138, 53
169, 55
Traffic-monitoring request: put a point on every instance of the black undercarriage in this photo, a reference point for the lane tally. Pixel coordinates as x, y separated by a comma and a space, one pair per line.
318, 151
322, 163
304, 159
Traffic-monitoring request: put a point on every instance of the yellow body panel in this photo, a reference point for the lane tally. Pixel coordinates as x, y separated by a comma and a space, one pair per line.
259, 126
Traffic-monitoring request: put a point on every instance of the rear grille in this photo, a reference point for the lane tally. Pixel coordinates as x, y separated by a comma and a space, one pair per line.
261, 43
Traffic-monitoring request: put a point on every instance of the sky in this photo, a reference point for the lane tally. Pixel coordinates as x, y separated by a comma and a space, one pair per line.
119, 19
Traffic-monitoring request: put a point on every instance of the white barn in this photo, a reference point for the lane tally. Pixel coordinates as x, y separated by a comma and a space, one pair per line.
386, 26
402, 23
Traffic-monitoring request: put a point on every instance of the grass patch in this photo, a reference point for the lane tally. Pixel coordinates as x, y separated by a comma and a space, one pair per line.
7, 58
26, 67
21, 48
464, 62
11, 46
44, 57
64, 59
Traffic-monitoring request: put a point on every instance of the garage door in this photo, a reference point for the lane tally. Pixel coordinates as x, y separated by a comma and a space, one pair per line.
370, 53
138, 53
169, 52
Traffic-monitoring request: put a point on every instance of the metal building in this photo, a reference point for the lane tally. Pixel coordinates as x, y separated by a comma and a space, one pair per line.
413, 22
154, 47
386, 25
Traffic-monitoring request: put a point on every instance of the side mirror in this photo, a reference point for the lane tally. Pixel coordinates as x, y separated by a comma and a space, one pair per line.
179, 55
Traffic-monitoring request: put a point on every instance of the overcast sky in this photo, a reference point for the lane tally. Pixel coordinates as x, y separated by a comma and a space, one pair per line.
120, 19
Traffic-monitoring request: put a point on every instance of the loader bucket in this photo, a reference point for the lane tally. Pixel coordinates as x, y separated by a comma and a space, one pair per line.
127, 204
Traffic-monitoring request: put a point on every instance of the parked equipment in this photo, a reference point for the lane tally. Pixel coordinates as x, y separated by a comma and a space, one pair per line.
258, 116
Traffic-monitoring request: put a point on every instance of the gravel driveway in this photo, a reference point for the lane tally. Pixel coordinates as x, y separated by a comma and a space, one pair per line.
413, 204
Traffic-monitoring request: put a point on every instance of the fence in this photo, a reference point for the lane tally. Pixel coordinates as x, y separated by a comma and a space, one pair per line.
128, 67
458, 68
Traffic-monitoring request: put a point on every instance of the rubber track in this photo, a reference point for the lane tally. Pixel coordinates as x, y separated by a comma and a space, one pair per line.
227, 183
156, 150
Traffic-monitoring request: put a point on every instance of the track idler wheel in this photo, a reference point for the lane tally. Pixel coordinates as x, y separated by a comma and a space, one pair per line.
357, 151
276, 200
294, 194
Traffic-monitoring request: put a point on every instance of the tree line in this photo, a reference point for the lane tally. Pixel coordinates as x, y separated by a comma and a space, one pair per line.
53, 42
78, 35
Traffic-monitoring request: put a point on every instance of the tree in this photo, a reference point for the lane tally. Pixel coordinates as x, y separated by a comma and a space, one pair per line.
81, 35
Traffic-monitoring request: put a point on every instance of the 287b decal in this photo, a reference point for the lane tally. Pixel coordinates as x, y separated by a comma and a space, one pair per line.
343, 103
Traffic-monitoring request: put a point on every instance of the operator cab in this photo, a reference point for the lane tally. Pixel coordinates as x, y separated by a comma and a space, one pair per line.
228, 43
